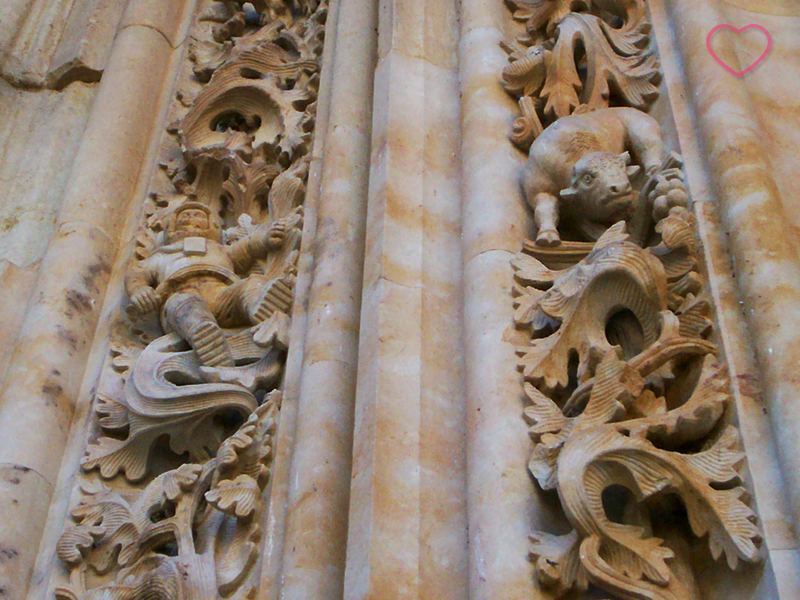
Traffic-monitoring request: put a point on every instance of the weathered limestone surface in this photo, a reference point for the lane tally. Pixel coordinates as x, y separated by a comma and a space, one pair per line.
290, 324
85, 217
51, 43
39, 135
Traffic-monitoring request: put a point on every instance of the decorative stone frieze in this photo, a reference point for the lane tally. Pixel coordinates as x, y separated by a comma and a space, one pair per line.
175, 473
629, 406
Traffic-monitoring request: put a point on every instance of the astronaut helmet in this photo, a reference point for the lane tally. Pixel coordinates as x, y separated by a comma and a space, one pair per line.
193, 219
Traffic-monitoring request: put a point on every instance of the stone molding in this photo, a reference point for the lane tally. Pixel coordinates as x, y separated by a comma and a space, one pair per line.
582, 290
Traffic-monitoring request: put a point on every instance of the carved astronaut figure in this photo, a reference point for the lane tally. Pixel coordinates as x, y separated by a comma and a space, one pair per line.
202, 285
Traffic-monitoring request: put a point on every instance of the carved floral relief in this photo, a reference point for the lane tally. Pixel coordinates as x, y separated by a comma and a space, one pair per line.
578, 54
629, 406
174, 480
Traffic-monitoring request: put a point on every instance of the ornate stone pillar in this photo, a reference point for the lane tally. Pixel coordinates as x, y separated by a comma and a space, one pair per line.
41, 386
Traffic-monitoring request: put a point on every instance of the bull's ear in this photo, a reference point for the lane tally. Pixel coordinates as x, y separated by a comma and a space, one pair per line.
568, 194
626, 157
632, 170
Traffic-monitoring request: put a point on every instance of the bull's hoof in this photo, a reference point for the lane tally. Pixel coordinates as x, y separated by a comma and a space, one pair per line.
548, 238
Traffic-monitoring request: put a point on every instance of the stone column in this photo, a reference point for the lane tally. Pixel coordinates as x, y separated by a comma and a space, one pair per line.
275, 527
318, 482
407, 525
40, 391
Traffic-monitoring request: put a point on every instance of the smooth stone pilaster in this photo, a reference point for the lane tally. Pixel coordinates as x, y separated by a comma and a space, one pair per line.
20, 489
15, 285
313, 561
407, 525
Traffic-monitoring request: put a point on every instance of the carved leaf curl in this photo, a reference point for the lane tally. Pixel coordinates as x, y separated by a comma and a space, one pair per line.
557, 560
612, 55
614, 275
543, 15
526, 74
238, 497
105, 534
721, 513
180, 481
75, 542
549, 430
592, 461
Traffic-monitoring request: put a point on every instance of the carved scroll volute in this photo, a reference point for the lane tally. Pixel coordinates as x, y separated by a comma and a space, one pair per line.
249, 96
576, 56
629, 407
174, 478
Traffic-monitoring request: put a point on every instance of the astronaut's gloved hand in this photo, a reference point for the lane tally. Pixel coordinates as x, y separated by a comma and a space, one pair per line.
277, 233
145, 300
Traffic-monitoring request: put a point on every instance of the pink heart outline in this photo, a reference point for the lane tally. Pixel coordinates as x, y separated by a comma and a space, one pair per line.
739, 31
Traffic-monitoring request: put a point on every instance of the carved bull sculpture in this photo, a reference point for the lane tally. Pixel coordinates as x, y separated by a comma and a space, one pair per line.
579, 170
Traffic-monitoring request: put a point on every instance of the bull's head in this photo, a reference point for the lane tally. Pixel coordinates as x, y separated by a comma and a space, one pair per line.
601, 190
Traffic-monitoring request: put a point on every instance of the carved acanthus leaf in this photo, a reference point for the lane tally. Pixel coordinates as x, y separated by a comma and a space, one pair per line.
236, 497
612, 56
527, 72
579, 55
542, 16
616, 270
627, 401
111, 533
613, 403
208, 57
105, 520
557, 560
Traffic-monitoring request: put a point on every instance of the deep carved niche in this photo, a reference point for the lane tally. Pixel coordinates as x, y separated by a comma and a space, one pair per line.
629, 407
173, 487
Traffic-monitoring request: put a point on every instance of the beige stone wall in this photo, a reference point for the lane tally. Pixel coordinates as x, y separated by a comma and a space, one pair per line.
397, 463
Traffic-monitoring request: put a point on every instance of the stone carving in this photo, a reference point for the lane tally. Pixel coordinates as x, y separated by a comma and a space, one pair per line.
628, 407
593, 53
192, 278
193, 532
171, 495
628, 410
579, 172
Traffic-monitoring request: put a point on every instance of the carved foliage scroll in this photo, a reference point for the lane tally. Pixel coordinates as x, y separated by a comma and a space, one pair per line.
576, 55
172, 493
629, 407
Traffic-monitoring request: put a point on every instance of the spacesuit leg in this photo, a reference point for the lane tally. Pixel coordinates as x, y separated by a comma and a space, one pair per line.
189, 316
261, 297
252, 301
